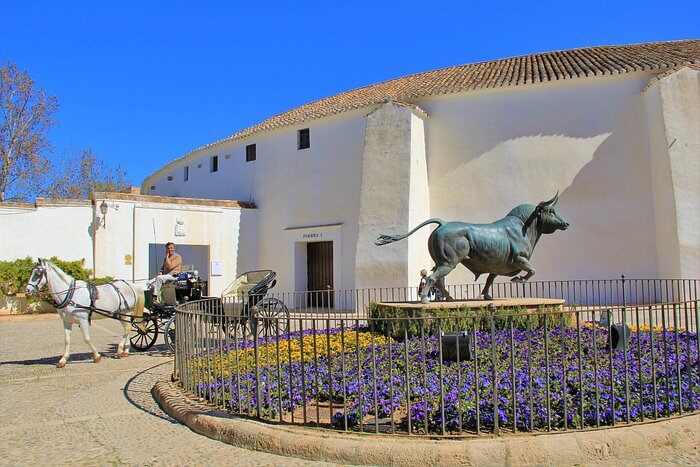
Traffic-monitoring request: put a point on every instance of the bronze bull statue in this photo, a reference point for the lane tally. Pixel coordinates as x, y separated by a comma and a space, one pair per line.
501, 248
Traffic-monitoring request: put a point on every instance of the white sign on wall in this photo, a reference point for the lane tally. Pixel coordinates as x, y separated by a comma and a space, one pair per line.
217, 268
180, 227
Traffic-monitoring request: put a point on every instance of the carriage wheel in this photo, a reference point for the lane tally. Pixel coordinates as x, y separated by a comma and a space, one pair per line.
169, 334
144, 339
270, 318
238, 329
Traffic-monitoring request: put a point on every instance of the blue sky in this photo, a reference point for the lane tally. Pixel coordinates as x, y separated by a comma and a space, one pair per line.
145, 82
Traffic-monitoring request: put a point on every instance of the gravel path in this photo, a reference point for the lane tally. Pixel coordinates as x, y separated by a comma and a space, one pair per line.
91, 413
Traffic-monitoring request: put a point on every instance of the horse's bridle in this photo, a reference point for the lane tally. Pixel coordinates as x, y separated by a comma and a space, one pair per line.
41, 270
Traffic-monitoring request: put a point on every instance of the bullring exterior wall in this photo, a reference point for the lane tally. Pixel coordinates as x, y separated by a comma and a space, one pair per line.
673, 110
592, 139
622, 151
297, 192
489, 151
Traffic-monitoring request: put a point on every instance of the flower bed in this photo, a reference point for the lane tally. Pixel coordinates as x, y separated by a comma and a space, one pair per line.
542, 380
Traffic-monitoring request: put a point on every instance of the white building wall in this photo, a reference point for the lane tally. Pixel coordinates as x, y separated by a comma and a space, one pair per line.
132, 225
291, 188
665, 229
680, 103
486, 151
306, 188
49, 229
491, 150
385, 197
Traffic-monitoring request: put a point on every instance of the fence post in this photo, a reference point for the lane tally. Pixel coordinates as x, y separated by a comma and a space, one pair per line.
494, 377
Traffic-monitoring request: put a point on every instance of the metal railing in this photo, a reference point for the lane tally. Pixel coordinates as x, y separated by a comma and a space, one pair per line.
601, 292
458, 374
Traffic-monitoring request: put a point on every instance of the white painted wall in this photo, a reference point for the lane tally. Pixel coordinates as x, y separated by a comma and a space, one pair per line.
680, 103
307, 188
665, 228
291, 188
64, 230
592, 139
491, 150
419, 205
394, 194
61, 230
134, 225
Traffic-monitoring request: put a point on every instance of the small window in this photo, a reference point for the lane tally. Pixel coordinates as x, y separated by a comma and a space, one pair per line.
250, 153
303, 139
214, 164
170, 178
228, 157
199, 166
153, 187
186, 175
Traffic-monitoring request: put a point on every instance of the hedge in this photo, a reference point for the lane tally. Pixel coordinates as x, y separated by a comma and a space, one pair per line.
459, 319
14, 275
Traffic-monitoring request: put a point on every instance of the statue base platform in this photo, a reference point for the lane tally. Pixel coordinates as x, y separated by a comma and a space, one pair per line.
527, 303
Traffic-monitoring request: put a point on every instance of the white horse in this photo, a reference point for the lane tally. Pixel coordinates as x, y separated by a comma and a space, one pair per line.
77, 303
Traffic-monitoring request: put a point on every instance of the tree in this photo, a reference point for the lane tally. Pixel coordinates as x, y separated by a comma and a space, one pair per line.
77, 176
26, 170
26, 116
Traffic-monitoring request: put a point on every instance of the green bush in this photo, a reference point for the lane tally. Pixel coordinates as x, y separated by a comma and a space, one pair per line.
14, 275
384, 320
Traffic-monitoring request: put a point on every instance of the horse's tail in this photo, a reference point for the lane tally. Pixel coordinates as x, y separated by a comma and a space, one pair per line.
138, 309
384, 239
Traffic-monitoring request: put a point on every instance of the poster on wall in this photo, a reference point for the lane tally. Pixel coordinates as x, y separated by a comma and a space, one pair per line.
217, 268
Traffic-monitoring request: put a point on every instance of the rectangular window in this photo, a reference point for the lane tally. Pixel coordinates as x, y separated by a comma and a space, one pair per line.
303, 139
186, 175
250, 153
170, 178
214, 164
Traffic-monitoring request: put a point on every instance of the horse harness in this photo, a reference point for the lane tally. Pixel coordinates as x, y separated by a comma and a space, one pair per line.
94, 296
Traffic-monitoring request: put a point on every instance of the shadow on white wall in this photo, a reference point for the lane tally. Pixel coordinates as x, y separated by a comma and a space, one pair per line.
524, 169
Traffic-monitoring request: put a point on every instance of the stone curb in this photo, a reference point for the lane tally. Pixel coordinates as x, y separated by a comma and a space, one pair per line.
615, 445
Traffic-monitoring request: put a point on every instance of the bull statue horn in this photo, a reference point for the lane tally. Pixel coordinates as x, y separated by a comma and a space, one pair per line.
551, 202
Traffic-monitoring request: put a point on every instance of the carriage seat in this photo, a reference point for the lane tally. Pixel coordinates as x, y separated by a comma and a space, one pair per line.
167, 293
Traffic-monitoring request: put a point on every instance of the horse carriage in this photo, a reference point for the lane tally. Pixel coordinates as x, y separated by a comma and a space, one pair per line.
242, 306
243, 309
160, 316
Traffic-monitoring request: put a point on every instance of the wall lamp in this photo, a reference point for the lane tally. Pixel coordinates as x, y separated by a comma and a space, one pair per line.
103, 210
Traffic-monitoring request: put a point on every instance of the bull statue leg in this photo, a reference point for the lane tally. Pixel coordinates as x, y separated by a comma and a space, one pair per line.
487, 286
524, 265
439, 273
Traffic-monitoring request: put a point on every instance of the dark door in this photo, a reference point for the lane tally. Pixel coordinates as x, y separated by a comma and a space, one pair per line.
319, 268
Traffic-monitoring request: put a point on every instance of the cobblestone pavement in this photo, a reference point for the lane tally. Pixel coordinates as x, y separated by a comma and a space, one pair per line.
91, 413
104, 413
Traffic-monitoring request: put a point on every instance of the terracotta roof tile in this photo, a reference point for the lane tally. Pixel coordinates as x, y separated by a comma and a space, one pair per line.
514, 71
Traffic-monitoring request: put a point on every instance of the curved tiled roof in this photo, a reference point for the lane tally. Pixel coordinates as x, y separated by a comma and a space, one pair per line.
514, 71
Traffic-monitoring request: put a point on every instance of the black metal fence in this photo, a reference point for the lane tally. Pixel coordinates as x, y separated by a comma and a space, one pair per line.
602, 292
463, 374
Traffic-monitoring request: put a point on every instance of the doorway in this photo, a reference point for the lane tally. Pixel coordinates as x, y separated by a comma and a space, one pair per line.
319, 271
194, 257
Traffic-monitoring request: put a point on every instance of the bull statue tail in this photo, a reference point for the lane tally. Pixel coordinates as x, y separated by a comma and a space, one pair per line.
384, 239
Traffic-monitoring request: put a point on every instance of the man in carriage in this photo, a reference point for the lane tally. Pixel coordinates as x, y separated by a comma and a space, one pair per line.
169, 271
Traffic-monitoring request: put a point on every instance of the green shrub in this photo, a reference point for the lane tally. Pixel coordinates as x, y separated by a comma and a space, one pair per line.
14, 275
384, 320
